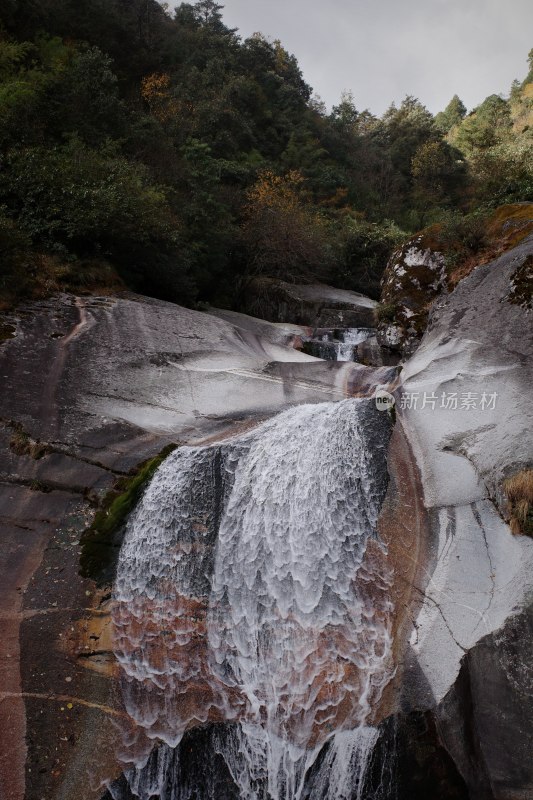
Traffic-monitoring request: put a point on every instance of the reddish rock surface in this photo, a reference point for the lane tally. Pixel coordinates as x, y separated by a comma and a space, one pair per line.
90, 389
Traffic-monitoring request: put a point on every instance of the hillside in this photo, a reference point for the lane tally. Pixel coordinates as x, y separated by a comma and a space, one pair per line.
161, 152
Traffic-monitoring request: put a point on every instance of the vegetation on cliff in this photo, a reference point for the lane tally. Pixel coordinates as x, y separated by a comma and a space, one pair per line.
101, 542
519, 492
158, 150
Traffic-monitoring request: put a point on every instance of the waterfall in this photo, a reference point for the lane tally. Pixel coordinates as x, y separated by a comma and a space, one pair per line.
351, 337
338, 345
252, 590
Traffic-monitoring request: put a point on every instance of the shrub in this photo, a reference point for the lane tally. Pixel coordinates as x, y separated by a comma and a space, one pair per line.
74, 201
519, 492
460, 236
365, 249
16, 267
283, 234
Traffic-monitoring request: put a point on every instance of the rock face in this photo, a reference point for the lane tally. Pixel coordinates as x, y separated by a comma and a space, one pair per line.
316, 305
465, 406
90, 388
414, 277
436, 260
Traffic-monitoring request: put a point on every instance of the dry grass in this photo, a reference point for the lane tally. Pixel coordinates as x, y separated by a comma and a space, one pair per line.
519, 491
22, 444
506, 228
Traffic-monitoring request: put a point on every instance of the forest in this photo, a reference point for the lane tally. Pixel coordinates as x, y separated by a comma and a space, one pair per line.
156, 150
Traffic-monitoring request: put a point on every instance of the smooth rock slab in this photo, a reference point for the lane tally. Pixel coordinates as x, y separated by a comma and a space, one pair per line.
479, 576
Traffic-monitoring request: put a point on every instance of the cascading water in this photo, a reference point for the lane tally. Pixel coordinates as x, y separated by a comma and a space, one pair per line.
351, 338
252, 590
338, 345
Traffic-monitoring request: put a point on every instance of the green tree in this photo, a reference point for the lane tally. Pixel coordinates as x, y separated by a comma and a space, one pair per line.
452, 115
489, 124
209, 232
437, 171
84, 98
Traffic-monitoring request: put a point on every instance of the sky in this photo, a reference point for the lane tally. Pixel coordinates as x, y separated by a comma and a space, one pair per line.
382, 50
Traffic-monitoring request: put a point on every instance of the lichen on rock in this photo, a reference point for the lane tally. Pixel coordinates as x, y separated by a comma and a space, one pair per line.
414, 277
521, 291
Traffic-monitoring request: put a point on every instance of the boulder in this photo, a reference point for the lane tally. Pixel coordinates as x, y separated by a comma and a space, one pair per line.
315, 305
465, 406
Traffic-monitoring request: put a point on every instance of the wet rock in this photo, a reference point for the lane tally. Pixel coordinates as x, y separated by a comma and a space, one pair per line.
486, 719
93, 387
315, 305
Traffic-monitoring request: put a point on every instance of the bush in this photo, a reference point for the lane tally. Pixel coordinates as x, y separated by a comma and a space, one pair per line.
365, 249
462, 235
74, 201
16, 264
519, 492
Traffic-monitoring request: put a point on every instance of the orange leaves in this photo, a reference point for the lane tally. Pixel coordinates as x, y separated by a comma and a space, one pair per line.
283, 233
276, 192
156, 90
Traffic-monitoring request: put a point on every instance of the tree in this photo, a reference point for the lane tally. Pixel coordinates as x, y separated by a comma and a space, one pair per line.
208, 14
156, 90
488, 125
436, 172
285, 237
452, 115
84, 98
345, 115
529, 76
208, 227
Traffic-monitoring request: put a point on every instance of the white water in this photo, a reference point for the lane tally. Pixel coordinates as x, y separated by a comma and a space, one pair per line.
251, 588
347, 349
343, 348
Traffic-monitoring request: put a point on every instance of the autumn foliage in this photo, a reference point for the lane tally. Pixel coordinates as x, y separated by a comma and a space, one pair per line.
284, 234
156, 92
186, 157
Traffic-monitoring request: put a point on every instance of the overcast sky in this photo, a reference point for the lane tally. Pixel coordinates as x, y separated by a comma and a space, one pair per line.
382, 50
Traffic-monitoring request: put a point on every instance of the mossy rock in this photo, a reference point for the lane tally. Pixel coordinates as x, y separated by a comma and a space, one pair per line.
414, 277
521, 292
438, 258
101, 542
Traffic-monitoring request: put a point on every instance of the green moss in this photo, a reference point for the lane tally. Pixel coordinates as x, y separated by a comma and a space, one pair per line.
101, 542
39, 486
386, 312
